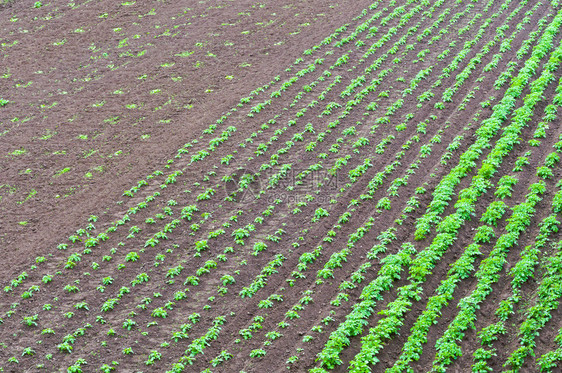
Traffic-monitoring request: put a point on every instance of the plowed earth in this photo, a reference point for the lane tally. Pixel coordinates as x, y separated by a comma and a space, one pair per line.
119, 115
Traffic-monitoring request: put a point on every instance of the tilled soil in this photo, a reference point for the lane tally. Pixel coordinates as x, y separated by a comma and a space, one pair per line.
129, 125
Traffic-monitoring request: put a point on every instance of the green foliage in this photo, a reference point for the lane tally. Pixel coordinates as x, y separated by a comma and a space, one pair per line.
484, 234
384, 204
505, 186
494, 212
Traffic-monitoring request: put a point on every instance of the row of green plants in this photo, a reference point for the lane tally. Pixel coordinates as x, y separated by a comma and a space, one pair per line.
441, 241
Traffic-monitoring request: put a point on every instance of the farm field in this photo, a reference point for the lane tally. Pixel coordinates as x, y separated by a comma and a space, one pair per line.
308, 186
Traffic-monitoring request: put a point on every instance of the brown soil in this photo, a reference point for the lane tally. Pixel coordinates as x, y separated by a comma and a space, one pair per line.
103, 94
